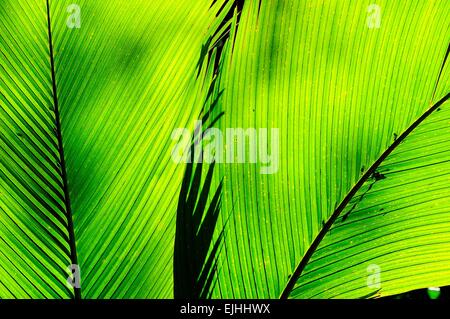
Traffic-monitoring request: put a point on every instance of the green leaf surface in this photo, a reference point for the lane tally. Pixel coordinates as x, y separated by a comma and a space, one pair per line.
339, 92
400, 223
360, 169
34, 238
125, 80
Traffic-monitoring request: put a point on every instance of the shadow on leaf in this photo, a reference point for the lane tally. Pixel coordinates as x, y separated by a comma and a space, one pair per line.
194, 268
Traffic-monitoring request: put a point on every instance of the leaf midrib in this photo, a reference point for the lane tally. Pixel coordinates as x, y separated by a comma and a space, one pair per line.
70, 228
312, 248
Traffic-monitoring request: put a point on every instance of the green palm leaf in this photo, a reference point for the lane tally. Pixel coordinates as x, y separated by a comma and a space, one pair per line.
340, 93
34, 233
360, 172
117, 77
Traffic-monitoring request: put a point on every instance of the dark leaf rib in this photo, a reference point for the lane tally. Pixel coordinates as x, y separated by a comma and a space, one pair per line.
73, 251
